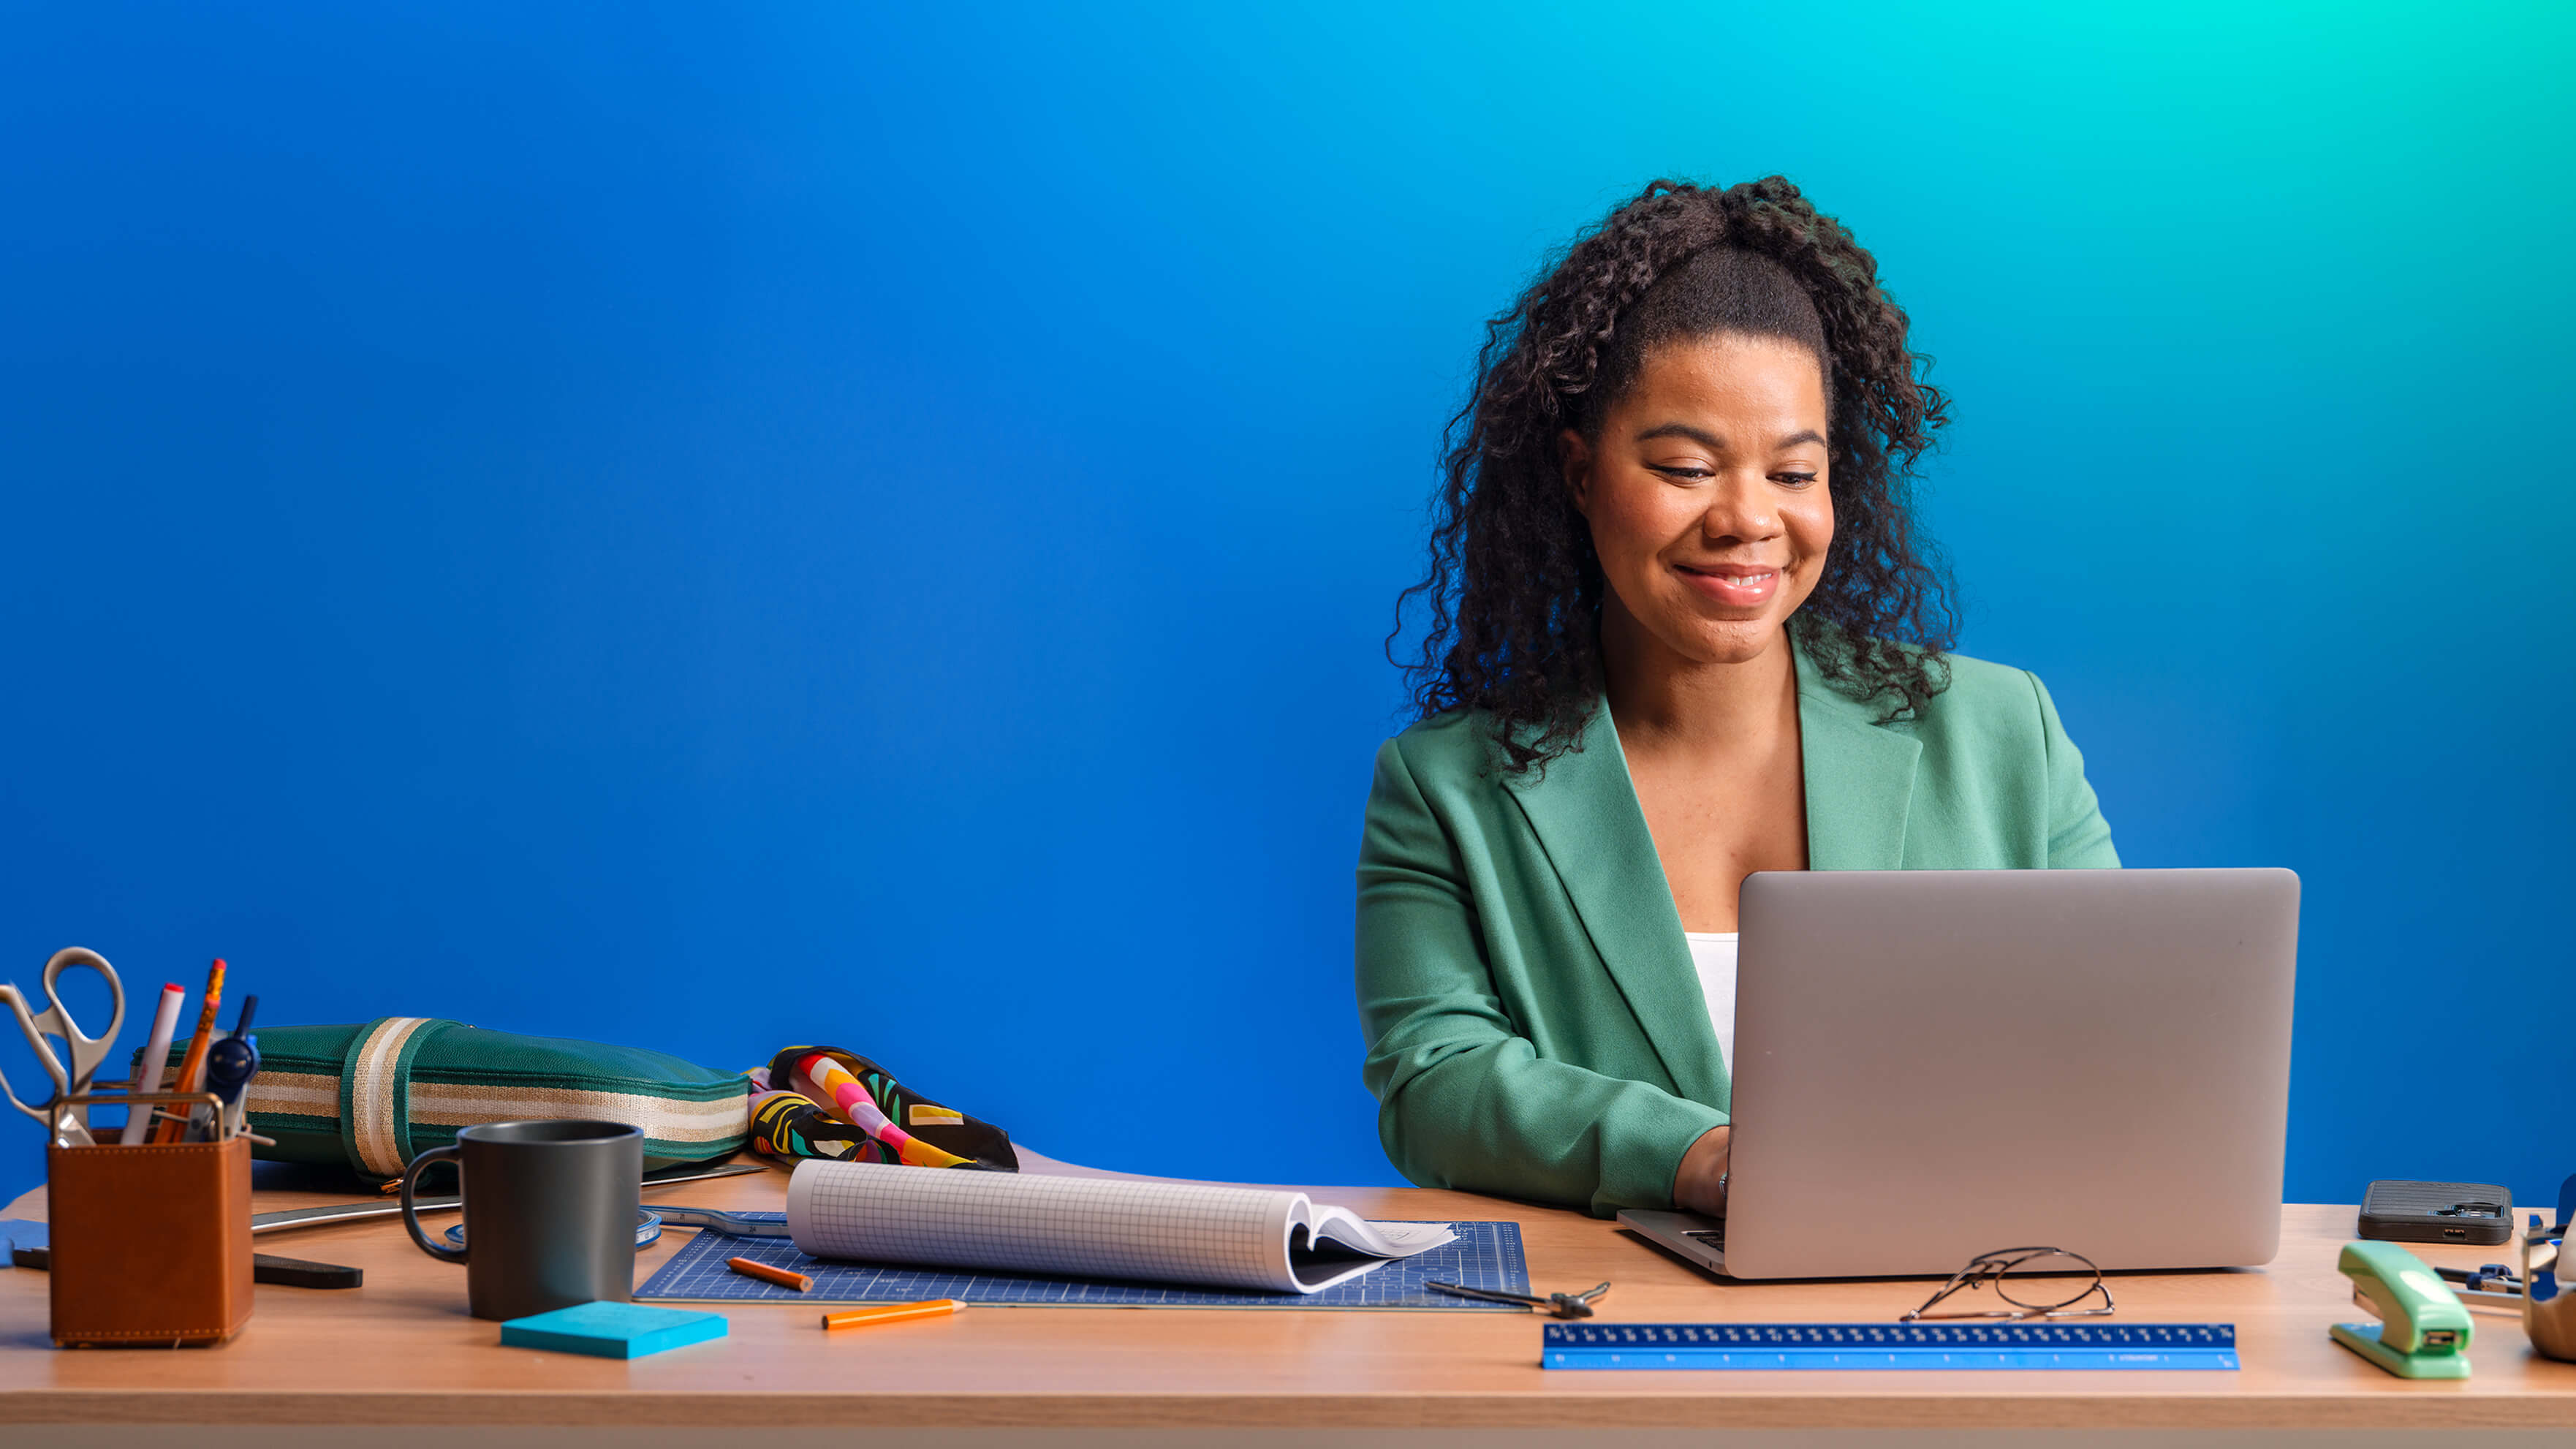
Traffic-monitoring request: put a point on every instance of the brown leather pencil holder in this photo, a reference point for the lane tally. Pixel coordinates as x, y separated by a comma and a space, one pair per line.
151, 1244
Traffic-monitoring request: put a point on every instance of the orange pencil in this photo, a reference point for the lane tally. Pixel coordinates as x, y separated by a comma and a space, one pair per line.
783, 1277
892, 1313
192, 1067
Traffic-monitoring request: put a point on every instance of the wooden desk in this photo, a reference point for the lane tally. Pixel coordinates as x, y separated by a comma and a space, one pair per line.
402, 1351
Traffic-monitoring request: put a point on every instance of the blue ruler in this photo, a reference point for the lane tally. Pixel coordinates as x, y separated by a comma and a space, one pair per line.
1888, 1346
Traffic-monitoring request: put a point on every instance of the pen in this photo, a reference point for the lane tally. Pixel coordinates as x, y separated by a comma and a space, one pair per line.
891, 1313
156, 1062
783, 1277
193, 1065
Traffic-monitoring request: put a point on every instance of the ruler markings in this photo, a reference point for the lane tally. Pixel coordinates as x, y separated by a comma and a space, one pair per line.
1883, 1346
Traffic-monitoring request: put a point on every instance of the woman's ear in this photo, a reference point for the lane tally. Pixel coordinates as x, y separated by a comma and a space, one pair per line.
1574, 457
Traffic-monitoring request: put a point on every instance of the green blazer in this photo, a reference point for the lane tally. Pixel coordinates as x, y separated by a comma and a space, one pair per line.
1535, 1028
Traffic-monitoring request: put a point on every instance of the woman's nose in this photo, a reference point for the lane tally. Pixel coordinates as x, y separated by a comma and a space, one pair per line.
1739, 506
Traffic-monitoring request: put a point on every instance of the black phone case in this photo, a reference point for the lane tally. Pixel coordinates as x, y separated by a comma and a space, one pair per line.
2479, 1213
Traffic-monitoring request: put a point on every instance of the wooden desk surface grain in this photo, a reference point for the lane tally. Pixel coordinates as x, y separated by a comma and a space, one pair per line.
402, 1350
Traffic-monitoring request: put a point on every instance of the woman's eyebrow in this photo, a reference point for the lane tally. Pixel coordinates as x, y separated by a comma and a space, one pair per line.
1701, 436
1707, 439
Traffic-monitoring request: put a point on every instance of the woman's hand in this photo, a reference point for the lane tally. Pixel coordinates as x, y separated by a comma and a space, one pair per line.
1700, 1185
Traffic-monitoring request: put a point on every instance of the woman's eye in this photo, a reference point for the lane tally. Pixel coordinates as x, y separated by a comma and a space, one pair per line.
1683, 474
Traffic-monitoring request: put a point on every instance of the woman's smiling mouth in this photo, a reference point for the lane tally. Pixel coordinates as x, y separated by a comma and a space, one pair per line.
1737, 586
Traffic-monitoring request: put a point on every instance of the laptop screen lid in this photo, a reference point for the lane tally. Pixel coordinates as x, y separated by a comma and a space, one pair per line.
1936, 1064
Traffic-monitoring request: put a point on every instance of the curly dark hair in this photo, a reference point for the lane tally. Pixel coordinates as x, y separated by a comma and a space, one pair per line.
1515, 589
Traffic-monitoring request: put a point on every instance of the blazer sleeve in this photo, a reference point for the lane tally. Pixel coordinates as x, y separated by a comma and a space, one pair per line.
2078, 837
1464, 1100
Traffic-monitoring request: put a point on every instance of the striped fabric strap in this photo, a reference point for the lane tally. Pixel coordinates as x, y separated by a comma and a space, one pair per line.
666, 1123
374, 1120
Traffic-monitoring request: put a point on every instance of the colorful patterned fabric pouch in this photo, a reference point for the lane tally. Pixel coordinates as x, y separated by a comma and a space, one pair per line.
819, 1101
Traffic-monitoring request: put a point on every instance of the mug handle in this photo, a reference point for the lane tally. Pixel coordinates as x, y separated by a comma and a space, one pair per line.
411, 1214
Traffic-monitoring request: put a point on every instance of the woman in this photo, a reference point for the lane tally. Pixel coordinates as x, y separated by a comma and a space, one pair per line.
1682, 629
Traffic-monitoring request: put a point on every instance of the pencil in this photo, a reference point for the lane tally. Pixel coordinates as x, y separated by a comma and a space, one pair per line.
891, 1313
783, 1277
192, 1067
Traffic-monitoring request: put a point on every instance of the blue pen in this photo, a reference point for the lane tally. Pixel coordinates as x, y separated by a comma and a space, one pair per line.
230, 1064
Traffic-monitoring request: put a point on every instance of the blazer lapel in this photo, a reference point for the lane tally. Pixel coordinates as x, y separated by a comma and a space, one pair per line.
1859, 776
1584, 811
1860, 783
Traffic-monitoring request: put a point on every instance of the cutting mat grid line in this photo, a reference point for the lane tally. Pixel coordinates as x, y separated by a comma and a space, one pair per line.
1485, 1255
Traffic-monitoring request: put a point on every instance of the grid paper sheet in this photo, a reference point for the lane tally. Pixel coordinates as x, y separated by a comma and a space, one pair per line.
1485, 1255
1200, 1234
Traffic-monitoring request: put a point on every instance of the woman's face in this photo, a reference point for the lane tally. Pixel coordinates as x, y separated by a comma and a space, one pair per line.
1707, 493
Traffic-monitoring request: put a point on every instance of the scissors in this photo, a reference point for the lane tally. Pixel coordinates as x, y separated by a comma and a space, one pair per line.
67, 1125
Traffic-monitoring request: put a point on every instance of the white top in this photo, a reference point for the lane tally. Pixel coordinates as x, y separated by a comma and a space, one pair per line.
1713, 955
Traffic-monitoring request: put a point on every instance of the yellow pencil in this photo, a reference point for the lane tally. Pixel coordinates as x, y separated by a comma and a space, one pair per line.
892, 1313
192, 1067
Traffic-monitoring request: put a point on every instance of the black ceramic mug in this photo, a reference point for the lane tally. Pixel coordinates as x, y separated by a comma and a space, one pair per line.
549, 1213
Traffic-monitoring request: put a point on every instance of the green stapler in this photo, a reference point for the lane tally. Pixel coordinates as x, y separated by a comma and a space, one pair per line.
2423, 1332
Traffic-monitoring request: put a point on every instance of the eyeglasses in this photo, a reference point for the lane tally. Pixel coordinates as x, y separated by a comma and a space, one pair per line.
1995, 1270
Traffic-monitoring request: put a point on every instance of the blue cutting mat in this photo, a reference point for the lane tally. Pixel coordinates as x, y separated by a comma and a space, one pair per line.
1485, 1255
1888, 1346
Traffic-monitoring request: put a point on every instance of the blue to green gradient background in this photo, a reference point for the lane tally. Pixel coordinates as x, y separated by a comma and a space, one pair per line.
711, 528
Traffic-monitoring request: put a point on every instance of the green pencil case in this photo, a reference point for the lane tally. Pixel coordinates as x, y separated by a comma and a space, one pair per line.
374, 1096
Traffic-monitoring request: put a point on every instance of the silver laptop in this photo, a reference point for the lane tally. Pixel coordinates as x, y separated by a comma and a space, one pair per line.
1936, 1064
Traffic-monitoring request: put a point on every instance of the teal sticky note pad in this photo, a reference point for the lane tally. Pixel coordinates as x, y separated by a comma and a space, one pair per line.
612, 1330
